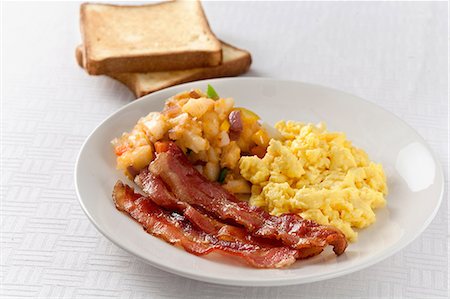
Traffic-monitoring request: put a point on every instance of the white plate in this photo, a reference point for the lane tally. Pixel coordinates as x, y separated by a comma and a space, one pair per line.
415, 180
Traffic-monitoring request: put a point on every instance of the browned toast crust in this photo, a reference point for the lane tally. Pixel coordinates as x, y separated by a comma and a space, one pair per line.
227, 69
165, 61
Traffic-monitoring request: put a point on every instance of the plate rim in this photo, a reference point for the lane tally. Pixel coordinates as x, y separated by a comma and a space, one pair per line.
273, 281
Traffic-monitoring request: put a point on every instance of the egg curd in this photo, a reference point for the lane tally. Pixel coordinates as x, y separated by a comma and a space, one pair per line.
318, 174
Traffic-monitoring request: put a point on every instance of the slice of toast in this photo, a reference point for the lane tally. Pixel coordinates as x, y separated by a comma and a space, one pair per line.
235, 62
171, 35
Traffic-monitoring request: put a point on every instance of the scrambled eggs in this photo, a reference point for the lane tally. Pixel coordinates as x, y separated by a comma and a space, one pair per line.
319, 175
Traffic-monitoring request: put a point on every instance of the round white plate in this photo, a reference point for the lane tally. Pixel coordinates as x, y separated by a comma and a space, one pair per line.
414, 176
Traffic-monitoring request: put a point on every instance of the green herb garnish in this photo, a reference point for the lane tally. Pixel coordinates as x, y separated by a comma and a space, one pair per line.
212, 94
222, 175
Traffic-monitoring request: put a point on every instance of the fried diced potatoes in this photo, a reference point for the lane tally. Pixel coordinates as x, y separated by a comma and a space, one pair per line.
137, 158
211, 171
210, 123
198, 107
223, 107
238, 186
230, 155
200, 126
154, 125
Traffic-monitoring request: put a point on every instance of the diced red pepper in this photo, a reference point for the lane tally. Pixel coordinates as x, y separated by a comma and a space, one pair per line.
259, 151
161, 146
119, 150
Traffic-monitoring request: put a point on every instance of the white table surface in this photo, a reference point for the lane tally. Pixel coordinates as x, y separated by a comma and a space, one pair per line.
393, 54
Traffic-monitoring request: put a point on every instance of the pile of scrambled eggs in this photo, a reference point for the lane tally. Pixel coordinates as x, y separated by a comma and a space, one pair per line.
319, 175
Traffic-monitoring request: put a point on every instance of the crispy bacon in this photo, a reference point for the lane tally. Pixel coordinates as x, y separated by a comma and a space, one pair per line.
175, 229
189, 186
157, 191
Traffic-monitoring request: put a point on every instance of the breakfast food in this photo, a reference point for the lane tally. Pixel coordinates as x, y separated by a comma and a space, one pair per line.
174, 228
319, 175
154, 46
174, 188
189, 186
235, 62
172, 35
308, 188
210, 130
158, 192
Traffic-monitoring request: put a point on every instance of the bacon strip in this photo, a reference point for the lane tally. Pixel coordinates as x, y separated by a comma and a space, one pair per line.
189, 186
155, 188
175, 229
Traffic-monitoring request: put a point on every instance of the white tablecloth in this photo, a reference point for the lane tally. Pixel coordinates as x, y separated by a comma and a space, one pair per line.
393, 54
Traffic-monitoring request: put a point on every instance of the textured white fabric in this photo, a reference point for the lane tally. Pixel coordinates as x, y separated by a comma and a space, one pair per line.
393, 54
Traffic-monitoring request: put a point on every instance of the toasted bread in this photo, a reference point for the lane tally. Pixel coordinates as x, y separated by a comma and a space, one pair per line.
171, 35
235, 62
